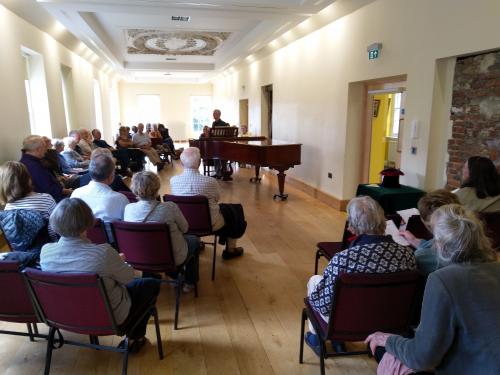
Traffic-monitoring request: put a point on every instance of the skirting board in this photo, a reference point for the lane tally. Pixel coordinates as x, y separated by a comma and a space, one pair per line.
338, 204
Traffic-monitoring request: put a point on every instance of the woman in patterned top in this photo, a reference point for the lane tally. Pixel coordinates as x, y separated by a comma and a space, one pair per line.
370, 252
16, 192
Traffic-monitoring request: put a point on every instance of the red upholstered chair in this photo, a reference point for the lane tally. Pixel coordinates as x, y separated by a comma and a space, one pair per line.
78, 303
364, 303
148, 248
197, 213
15, 301
329, 249
491, 222
97, 234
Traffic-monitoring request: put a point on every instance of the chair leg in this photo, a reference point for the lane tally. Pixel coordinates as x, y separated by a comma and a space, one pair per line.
180, 281
158, 334
322, 356
35, 328
125, 358
30, 332
48, 355
213, 260
302, 327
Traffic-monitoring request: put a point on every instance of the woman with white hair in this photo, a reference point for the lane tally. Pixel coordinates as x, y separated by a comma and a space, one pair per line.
370, 252
459, 330
146, 185
73, 159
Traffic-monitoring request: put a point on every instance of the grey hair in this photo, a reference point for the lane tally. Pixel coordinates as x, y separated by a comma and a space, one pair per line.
460, 236
33, 142
101, 167
69, 143
71, 217
101, 151
58, 143
191, 157
145, 185
365, 216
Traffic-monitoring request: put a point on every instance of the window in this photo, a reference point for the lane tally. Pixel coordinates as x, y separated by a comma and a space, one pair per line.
67, 90
98, 106
148, 109
36, 93
201, 112
397, 115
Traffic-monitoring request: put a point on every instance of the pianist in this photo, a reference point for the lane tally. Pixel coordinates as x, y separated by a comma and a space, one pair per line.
192, 182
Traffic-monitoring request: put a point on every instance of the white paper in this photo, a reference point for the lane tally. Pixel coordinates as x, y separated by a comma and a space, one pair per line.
393, 231
406, 214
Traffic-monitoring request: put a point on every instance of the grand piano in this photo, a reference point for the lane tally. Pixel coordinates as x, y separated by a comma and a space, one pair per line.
258, 151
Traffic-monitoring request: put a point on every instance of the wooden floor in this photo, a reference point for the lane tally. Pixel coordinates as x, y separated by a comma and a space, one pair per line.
245, 322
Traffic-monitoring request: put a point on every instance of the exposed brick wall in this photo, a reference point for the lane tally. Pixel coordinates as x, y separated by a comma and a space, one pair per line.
475, 112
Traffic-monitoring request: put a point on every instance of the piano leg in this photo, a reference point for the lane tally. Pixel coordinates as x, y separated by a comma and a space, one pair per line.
281, 185
256, 178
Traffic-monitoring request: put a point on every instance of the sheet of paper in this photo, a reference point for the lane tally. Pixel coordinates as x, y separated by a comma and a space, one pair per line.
406, 214
393, 231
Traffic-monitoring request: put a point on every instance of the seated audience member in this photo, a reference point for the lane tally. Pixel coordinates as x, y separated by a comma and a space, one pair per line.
43, 180
75, 253
134, 131
73, 158
148, 129
458, 331
66, 175
129, 132
106, 204
167, 140
16, 192
85, 144
51, 158
146, 186
155, 133
116, 185
370, 252
99, 142
480, 190
244, 131
426, 253
142, 141
75, 134
125, 152
192, 182
206, 132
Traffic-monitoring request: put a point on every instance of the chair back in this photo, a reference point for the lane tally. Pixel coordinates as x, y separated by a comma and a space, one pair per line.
75, 302
156, 142
132, 198
196, 211
365, 303
416, 227
147, 246
491, 222
97, 234
16, 305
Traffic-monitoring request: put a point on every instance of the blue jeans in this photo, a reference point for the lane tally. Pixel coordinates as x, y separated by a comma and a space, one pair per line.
142, 292
192, 266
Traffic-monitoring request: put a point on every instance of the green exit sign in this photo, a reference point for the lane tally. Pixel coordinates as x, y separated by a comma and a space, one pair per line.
373, 54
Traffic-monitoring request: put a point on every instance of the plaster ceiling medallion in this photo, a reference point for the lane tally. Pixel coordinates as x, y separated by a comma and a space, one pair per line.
157, 42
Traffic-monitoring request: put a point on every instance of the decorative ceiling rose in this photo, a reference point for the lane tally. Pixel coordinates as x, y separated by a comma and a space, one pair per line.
157, 42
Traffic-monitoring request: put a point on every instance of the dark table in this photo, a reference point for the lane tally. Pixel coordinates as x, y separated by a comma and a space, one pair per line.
392, 199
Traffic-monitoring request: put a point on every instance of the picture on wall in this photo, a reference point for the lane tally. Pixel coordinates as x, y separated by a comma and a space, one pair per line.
376, 106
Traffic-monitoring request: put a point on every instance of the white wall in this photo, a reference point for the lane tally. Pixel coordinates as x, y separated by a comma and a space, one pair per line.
14, 120
311, 77
174, 100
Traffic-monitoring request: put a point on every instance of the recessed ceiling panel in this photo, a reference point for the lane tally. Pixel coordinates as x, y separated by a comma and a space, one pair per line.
158, 42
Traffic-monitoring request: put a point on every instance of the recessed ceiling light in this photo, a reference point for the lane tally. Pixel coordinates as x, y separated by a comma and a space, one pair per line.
171, 58
181, 18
